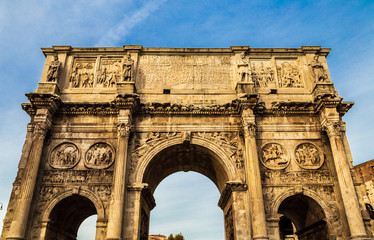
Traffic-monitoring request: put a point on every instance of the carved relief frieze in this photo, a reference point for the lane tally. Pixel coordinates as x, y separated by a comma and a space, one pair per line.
77, 176
274, 156
82, 75
296, 177
100, 155
289, 75
64, 155
308, 156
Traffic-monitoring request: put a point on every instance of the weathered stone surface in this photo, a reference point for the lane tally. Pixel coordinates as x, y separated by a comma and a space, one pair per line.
109, 124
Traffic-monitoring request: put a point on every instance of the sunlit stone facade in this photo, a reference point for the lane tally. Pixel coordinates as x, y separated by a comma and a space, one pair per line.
109, 124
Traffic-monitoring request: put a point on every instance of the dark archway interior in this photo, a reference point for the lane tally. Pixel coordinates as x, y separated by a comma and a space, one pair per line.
307, 216
185, 157
67, 216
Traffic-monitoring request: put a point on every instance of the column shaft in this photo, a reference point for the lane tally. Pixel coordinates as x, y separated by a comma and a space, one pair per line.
115, 217
18, 226
349, 196
253, 177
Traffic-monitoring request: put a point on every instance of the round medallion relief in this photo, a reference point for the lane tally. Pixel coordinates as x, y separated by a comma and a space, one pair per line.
308, 156
99, 155
274, 156
64, 155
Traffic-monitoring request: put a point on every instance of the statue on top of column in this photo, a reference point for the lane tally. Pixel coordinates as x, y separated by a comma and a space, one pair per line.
127, 68
318, 71
54, 67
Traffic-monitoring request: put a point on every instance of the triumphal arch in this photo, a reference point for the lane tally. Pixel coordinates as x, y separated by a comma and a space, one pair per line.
109, 124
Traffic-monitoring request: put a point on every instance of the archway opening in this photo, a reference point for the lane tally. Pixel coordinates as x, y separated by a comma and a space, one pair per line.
187, 203
184, 157
67, 216
304, 214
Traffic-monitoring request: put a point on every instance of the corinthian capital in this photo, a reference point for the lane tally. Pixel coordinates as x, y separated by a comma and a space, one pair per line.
332, 129
249, 129
123, 130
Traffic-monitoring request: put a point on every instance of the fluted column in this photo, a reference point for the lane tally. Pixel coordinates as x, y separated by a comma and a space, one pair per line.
349, 196
18, 226
114, 229
253, 176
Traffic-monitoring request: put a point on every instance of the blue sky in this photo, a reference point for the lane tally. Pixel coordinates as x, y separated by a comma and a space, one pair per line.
25, 26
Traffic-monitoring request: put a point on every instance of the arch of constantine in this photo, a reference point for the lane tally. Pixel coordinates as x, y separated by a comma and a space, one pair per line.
109, 124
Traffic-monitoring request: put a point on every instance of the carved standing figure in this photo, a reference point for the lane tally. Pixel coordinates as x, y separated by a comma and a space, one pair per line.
75, 78
53, 69
127, 67
318, 72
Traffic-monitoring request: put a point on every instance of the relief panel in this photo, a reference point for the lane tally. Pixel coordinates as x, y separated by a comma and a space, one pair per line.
99, 156
308, 156
82, 75
274, 156
64, 155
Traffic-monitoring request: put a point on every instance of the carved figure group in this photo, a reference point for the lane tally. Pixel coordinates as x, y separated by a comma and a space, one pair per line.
289, 75
274, 156
82, 76
308, 156
64, 156
262, 76
100, 155
318, 71
53, 70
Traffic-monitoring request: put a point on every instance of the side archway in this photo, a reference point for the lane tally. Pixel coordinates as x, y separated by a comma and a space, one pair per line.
66, 211
308, 212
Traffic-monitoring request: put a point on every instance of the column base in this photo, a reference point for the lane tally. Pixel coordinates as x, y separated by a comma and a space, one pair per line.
261, 238
361, 237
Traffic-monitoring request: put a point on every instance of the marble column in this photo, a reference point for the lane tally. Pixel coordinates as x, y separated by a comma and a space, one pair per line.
18, 226
114, 229
345, 181
253, 176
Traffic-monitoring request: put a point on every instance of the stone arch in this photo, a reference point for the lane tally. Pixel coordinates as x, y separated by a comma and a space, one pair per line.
328, 214
81, 196
224, 160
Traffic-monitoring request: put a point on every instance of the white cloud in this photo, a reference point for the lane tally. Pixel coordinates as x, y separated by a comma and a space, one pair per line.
120, 31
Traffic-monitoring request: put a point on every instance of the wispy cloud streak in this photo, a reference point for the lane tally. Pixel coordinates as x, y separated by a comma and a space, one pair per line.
123, 28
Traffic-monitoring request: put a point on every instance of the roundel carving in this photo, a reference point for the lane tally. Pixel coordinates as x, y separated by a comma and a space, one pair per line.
308, 156
274, 156
64, 155
99, 155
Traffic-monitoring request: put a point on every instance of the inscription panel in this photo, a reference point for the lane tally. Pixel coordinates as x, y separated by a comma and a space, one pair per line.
184, 72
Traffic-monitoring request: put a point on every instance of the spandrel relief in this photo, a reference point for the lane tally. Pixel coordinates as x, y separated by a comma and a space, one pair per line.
274, 156
99, 156
308, 156
82, 75
65, 155
289, 75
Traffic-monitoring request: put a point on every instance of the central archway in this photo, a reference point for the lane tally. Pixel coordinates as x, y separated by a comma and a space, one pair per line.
199, 156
